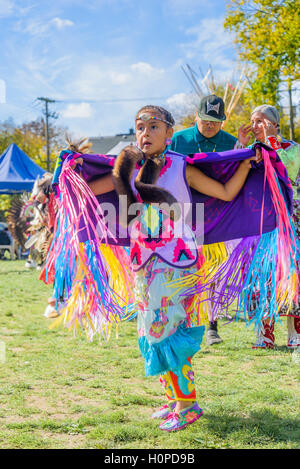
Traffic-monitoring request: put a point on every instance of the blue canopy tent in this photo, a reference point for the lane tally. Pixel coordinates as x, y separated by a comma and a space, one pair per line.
17, 171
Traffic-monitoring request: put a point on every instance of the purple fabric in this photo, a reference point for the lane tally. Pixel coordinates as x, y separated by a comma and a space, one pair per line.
222, 220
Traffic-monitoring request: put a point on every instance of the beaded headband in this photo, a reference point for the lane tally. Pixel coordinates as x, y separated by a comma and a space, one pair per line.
146, 118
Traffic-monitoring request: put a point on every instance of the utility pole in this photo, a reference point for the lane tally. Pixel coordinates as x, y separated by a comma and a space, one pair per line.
292, 129
47, 115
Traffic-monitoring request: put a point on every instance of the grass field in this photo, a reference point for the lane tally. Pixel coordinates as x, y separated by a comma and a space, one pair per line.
57, 391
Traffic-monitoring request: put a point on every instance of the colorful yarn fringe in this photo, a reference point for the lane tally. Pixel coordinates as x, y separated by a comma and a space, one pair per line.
266, 266
94, 278
91, 276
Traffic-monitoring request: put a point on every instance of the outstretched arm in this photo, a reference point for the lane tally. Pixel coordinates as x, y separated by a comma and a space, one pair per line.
208, 186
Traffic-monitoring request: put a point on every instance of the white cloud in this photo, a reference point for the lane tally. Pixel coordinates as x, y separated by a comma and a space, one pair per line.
182, 104
115, 78
118, 88
89, 81
146, 69
119, 78
209, 35
81, 110
211, 44
61, 23
37, 27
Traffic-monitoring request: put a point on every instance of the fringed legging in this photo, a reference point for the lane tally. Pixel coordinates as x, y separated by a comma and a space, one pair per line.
179, 385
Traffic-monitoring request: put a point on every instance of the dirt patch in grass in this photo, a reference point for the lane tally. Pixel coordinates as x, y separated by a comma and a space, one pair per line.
64, 406
64, 441
17, 349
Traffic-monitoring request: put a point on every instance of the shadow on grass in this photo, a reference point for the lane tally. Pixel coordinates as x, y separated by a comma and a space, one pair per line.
283, 348
258, 427
16, 272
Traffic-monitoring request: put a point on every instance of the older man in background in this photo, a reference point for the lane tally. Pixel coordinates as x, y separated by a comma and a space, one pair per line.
206, 136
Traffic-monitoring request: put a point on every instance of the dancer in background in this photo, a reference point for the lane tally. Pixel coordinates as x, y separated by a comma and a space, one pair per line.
265, 126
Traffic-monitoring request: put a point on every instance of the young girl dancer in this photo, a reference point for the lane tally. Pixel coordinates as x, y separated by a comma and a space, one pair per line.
169, 336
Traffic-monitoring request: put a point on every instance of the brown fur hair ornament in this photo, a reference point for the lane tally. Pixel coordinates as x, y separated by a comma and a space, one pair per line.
144, 182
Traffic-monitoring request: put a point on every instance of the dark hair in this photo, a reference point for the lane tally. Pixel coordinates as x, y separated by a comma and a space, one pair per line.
167, 116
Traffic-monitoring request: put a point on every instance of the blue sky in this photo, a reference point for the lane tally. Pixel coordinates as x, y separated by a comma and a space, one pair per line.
85, 53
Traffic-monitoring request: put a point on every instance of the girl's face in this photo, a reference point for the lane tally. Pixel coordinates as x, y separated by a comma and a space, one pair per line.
151, 135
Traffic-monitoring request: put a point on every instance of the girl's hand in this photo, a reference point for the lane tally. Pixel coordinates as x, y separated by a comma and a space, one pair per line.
244, 134
257, 158
76, 162
270, 129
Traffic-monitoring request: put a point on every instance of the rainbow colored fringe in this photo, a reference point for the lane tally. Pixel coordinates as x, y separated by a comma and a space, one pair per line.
91, 276
254, 267
265, 266
96, 282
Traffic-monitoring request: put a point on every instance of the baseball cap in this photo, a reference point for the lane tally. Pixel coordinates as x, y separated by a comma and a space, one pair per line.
212, 109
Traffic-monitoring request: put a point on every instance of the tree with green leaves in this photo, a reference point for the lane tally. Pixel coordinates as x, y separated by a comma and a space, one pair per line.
267, 34
31, 138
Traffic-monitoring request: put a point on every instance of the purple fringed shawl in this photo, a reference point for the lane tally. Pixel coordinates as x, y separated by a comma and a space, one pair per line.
265, 260
222, 220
